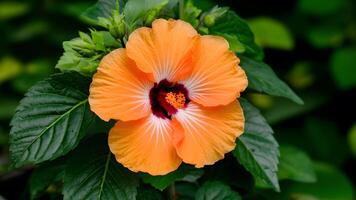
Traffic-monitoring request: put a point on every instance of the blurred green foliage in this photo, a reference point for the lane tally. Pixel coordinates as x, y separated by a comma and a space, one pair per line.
311, 43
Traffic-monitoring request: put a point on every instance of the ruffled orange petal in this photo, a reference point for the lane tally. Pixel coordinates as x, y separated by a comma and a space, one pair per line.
164, 50
119, 90
145, 145
216, 78
203, 135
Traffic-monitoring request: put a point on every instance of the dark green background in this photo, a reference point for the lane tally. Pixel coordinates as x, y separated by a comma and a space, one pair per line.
311, 44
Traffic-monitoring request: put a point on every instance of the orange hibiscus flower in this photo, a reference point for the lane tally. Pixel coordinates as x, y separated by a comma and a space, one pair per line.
174, 94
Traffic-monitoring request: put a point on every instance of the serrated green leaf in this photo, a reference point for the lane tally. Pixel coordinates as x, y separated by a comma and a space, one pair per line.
257, 150
51, 119
93, 173
237, 30
271, 33
263, 79
44, 175
184, 172
296, 165
216, 191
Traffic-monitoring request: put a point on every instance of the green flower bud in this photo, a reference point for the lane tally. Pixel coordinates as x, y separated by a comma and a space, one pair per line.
209, 20
213, 15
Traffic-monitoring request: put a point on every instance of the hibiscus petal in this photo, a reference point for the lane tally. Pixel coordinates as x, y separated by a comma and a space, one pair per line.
119, 90
204, 134
216, 78
145, 145
164, 50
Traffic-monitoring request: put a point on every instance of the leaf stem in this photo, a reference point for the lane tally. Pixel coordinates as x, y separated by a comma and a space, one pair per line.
181, 9
171, 191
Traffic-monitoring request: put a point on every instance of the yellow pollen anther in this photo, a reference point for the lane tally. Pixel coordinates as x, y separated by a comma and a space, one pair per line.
175, 100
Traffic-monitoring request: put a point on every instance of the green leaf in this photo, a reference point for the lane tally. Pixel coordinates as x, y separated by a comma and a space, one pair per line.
103, 40
204, 4
257, 150
296, 165
320, 7
148, 193
325, 36
332, 184
7, 107
237, 32
283, 109
141, 9
44, 175
184, 172
216, 191
9, 68
191, 13
83, 54
51, 119
103, 8
33, 72
262, 79
352, 139
71, 61
343, 67
329, 131
93, 173
271, 33
11, 9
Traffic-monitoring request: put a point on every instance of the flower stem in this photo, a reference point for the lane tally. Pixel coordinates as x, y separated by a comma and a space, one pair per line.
181, 9
171, 191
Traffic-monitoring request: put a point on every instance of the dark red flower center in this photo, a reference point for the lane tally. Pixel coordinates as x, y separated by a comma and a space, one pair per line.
167, 97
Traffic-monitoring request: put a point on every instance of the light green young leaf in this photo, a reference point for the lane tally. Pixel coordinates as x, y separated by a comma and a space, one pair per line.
294, 164
262, 79
93, 173
271, 33
185, 172
257, 150
216, 191
83, 54
191, 13
237, 32
51, 119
